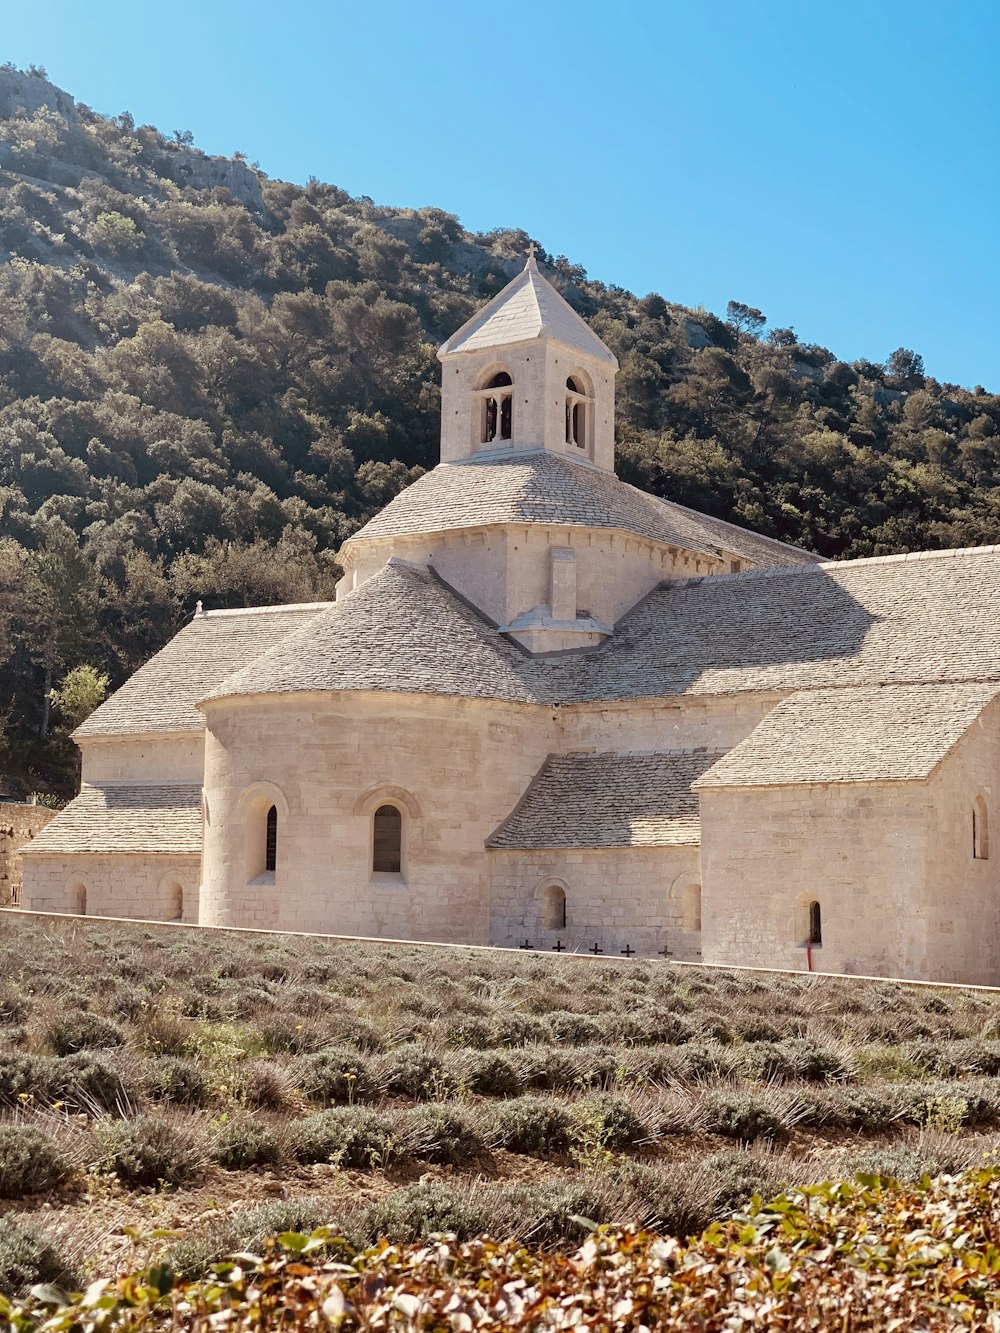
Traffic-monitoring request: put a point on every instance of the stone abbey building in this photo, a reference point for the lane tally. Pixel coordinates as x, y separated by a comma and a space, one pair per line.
548, 709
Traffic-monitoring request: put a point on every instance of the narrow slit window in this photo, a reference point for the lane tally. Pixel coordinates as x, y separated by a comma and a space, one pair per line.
815, 924
387, 840
692, 907
271, 840
980, 830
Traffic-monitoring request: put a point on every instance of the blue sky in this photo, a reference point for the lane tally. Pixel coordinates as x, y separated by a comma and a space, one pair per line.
834, 162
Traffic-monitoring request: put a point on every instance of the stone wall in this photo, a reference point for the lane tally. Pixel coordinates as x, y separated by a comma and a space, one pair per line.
891, 865
167, 757
961, 903
455, 767
506, 571
644, 899
18, 825
856, 848
148, 888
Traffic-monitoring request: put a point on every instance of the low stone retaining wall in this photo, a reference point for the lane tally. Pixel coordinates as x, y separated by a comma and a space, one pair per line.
18, 825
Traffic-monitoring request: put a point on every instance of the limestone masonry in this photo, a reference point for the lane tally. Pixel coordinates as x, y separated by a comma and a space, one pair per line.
548, 710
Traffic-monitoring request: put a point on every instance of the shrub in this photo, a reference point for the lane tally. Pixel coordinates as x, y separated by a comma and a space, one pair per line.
768, 1062
740, 1115
606, 1122
567, 1028
75, 1032
30, 1162
262, 1084
704, 1062
909, 1161
440, 1133
473, 1032
280, 1036
490, 1073
88, 1083
413, 1071
177, 1079
674, 1198
335, 1075
20, 1075
863, 1107
415, 1211
14, 1008
514, 1029
736, 1177
537, 1125
556, 1211
650, 1027
29, 1255
794, 1058
345, 1135
954, 1058
148, 1151
242, 1141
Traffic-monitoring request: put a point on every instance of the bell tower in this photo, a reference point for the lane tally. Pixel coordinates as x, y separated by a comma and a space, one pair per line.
524, 374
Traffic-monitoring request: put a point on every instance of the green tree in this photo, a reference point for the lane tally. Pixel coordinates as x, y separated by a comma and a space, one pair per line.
81, 691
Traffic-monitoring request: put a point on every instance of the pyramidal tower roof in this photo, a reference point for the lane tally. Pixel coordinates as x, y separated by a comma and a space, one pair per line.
529, 307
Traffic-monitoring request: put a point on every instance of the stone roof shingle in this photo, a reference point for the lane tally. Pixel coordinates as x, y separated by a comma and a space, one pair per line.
542, 487
403, 631
890, 620
161, 696
529, 307
885, 621
879, 733
126, 818
609, 800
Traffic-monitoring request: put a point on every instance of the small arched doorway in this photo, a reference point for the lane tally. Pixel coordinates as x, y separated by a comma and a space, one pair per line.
78, 900
554, 907
174, 906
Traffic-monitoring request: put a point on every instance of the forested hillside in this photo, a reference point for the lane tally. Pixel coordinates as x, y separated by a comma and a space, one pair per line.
209, 378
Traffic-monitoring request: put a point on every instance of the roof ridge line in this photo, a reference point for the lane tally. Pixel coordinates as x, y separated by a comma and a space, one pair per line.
810, 566
639, 754
223, 612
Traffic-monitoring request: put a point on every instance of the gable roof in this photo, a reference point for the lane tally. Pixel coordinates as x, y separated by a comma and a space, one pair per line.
126, 818
161, 696
887, 733
542, 487
609, 800
529, 307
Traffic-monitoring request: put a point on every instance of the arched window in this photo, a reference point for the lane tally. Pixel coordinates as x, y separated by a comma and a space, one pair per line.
554, 905
496, 408
174, 909
271, 840
79, 900
980, 830
815, 924
262, 807
692, 907
579, 411
387, 840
